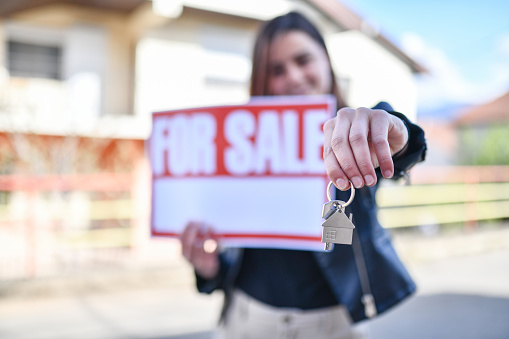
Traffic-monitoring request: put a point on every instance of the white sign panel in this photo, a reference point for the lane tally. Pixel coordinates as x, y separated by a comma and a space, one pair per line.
253, 172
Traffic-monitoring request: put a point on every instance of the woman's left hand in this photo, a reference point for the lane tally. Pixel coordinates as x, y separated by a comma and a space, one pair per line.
359, 140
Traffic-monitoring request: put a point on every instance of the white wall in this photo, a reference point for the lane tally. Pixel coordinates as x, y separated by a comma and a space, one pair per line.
84, 69
191, 63
50, 106
373, 73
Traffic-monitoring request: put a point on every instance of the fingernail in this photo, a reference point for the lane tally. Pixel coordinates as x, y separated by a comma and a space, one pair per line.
209, 246
341, 184
369, 180
388, 174
357, 182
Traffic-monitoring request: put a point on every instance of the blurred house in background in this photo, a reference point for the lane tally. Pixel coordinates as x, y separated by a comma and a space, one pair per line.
202, 55
465, 179
71, 149
78, 83
468, 135
483, 132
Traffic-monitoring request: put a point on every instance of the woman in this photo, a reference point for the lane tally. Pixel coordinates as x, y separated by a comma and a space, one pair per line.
271, 293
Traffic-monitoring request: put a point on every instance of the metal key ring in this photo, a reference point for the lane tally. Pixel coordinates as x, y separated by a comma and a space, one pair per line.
352, 195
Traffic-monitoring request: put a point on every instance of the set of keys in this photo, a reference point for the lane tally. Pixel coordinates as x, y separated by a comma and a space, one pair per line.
337, 227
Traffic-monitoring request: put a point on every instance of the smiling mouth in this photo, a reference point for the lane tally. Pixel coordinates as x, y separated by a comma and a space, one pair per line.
300, 91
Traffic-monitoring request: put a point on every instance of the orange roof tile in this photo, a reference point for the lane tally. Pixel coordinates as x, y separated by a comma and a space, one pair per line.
491, 112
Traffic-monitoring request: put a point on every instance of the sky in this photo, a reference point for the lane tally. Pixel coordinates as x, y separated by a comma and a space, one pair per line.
463, 44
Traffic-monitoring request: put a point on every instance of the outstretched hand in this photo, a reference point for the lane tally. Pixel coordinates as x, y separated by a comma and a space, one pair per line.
359, 140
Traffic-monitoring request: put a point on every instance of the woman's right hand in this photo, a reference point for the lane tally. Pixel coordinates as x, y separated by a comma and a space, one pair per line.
200, 248
359, 140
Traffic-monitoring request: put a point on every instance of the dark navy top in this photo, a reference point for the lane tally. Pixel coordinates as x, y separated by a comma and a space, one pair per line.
284, 278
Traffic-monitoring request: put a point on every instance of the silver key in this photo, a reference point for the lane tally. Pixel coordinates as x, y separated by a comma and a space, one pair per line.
337, 227
328, 206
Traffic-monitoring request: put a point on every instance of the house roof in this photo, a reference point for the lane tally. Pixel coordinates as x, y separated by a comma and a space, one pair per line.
333, 9
494, 111
8, 7
350, 20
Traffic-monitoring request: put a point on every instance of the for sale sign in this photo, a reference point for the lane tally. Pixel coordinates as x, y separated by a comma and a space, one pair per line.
253, 172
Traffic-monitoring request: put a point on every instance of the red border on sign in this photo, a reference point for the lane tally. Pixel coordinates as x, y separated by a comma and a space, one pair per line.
247, 236
260, 104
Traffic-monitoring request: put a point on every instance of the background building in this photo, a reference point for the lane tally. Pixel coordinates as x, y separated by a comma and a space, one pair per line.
79, 81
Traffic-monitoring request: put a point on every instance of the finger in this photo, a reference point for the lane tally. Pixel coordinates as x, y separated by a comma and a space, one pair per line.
340, 144
206, 262
200, 236
374, 159
210, 245
334, 171
359, 137
205, 256
204, 246
188, 238
398, 134
380, 143
198, 256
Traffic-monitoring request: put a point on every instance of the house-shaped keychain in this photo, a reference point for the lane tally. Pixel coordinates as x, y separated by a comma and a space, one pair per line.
337, 228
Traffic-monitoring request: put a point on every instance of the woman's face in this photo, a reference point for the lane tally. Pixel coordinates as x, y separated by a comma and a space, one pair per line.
298, 65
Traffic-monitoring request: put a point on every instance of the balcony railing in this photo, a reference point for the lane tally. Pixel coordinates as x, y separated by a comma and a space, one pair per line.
53, 107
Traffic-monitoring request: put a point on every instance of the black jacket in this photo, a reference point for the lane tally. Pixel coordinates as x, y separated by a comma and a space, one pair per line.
389, 281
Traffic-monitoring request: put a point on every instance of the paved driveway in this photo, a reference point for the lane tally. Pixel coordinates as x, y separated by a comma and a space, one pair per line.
464, 297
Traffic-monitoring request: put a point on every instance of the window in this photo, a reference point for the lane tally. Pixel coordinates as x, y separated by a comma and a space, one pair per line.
34, 61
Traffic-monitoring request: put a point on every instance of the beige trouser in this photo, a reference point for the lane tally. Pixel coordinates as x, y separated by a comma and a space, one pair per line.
248, 318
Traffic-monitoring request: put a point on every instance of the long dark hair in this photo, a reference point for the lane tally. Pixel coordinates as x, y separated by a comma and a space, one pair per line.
292, 21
